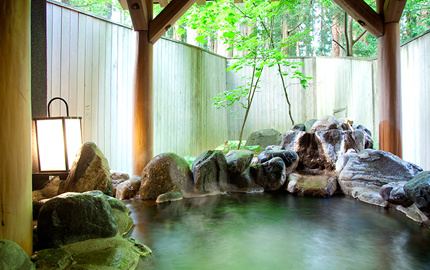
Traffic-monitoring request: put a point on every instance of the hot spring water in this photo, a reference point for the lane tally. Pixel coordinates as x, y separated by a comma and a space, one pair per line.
277, 231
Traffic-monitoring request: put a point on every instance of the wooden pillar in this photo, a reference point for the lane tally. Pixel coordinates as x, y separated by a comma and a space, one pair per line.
15, 120
143, 104
390, 107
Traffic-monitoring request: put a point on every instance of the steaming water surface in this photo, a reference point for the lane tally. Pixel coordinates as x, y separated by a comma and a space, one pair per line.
277, 231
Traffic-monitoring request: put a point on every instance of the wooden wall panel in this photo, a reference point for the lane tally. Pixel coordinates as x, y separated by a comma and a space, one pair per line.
90, 65
415, 67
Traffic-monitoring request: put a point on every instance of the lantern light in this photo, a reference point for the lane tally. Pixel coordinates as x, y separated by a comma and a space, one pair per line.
58, 141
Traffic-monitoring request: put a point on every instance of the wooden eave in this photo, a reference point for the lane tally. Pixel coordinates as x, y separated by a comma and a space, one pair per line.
364, 15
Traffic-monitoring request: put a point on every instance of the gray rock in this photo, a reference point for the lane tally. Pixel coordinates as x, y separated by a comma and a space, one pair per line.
418, 190
394, 193
240, 181
365, 130
271, 175
264, 138
343, 159
52, 258
238, 161
90, 171
309, 124
49, 190
116, 175
335, 143
169, 197
210, 172
291, 139
74, 217
319, 151
165, 173
324, 185
290, 158
125, 190
122, 215
415, 214
273, 147
365, 174
135, 182
107, 253
298, 127
327, 123
12, 256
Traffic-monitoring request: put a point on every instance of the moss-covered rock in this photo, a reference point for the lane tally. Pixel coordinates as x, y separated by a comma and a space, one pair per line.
12, 256
210, 172
90, 171
74, 217
312, 185
165, 173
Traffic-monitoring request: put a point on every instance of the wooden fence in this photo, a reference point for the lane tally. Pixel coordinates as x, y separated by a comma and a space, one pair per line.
90, 63
338, 84
415, 59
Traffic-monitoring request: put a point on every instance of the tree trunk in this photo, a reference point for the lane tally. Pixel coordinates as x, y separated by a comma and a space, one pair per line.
335, 48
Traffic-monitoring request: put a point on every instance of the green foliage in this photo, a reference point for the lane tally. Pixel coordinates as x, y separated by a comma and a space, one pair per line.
190, 160
233, 145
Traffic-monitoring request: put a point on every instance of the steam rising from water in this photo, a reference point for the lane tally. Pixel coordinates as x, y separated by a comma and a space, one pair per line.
278, 231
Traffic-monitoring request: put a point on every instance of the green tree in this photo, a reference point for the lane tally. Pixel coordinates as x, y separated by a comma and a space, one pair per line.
259, 48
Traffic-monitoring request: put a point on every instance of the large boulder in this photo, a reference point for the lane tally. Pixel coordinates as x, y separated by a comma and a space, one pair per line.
49, 190
323, 185
12, 256
326, 123
74, 217
319, 151
270, 175
238, 162
165, 173
343, 159
101, 253
394, 193
210, 172
264, 138
290, 158
365, 174
418, 190
90, 171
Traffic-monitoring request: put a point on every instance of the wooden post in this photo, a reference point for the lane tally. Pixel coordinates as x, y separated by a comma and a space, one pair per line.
15, 132
390, 108
143, 103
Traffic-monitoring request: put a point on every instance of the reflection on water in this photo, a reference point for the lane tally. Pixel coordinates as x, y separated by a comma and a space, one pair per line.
277, 231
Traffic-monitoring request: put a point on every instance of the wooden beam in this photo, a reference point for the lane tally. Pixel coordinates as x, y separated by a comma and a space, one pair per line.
389, 77
364, 15
163, 3
16, 206
238, 1
139, 14
201, 2
170, 14
393, 10
123, 4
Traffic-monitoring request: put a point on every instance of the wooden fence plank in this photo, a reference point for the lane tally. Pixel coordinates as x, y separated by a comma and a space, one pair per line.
56, 61
64, 59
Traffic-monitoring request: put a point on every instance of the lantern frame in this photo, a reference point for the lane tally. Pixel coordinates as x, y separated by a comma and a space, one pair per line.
63, 141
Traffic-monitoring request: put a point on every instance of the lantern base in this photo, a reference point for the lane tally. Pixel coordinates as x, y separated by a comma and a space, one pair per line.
40, 179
